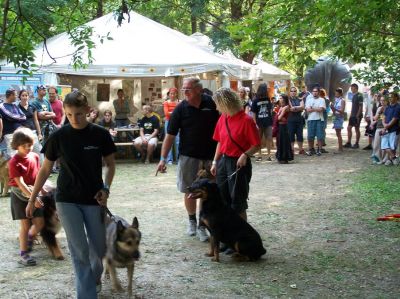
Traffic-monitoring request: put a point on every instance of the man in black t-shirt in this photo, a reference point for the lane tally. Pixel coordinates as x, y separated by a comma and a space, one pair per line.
81, 148
195, 119
355, 116
147, 141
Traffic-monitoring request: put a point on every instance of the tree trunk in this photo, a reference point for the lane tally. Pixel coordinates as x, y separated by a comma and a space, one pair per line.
236, 9
193, 21
99, 12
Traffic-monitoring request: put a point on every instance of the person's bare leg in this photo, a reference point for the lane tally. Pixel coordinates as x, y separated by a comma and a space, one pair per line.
319, 144
349, 134
310, 144
23, 234
139, 148
340, 140
299, 145
269, 145
150, 150
358, 134
190, 204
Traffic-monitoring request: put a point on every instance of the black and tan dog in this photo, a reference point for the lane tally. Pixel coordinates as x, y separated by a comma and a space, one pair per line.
4, 178
123, 242
52, 225
224, 224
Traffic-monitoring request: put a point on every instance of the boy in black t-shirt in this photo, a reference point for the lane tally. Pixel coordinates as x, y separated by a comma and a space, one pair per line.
147, 141
81, 147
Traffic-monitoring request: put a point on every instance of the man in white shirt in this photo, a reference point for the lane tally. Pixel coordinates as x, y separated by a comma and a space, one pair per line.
315, 107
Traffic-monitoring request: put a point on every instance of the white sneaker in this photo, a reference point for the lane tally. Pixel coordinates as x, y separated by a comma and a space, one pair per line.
191, 231
202, 234
396, 161
389, 163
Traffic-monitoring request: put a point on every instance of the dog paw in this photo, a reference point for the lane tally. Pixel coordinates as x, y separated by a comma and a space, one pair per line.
60, 258
117, 288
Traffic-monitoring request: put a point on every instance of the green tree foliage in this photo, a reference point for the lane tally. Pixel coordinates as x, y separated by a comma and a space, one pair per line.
299, 31
29, 22
354, 31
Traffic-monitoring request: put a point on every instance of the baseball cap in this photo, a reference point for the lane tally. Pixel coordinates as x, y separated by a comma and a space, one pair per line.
41, 87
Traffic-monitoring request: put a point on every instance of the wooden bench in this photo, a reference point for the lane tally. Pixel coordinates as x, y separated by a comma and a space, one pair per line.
127, 145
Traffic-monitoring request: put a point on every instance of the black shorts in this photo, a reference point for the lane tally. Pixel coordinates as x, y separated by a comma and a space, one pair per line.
234, 190
354, 122
18, 207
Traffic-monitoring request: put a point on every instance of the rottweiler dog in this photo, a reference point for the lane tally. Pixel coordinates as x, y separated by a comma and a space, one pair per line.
224, 224
123, 240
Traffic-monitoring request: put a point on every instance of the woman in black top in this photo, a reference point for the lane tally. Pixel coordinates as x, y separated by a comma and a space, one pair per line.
31, 121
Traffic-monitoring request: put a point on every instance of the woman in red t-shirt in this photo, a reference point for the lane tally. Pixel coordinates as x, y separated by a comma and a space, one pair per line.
238, 139
169, 106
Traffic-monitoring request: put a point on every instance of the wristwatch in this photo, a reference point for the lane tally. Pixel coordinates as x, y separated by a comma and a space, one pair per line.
106, 188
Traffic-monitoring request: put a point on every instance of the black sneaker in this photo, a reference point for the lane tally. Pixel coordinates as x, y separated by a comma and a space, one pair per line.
355, 146
318, 153
324, 151
368, 147
347, 145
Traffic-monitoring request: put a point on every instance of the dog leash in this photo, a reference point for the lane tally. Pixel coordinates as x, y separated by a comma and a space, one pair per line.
231, 175
107, 210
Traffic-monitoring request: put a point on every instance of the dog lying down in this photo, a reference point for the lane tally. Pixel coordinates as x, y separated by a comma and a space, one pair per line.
122, 241
225, 225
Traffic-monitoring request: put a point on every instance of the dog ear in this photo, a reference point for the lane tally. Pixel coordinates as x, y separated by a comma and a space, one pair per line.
135, 223
120, 226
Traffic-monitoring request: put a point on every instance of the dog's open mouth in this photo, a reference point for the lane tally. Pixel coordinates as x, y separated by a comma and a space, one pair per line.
197, 193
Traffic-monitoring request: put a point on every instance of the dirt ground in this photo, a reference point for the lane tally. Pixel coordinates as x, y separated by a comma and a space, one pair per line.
319, 243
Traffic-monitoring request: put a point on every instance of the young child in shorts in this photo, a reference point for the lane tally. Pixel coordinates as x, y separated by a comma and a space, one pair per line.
23, 168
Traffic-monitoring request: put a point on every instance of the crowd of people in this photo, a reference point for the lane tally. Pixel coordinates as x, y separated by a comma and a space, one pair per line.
221, 131
294, 113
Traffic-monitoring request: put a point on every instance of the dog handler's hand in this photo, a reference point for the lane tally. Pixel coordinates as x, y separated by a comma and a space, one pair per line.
29, 209
213, 170
102, 196
161, 167
242, 161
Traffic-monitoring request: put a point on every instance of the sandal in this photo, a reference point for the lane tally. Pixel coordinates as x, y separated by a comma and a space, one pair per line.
27, 260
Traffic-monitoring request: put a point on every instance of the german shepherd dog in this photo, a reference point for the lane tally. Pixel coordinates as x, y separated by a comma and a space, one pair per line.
52, 225
123, 242
225, 225
4, 178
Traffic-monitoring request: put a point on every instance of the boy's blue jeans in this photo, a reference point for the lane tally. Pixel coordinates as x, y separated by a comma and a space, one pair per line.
85, 231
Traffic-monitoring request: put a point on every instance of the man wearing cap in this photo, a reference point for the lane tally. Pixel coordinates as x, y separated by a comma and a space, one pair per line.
45, 112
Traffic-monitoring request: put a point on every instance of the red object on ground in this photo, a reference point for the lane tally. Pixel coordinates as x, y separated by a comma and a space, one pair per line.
392, 217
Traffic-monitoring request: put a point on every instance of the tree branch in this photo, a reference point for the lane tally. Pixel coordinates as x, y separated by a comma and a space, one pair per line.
22, 18
6, 7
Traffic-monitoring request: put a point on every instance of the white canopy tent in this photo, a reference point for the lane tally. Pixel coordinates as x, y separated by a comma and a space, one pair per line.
259, 70
140, 48
269, 72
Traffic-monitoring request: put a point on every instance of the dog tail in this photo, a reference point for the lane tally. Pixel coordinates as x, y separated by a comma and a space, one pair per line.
49, 237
